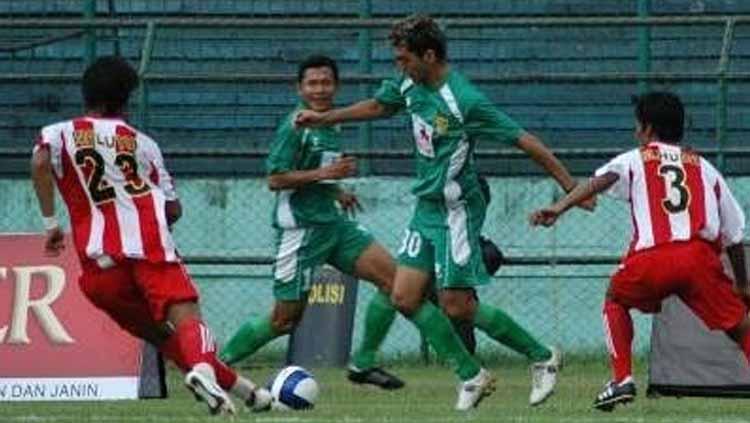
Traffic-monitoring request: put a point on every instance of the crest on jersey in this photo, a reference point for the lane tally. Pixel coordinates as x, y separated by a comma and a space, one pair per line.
423, 133
441, 124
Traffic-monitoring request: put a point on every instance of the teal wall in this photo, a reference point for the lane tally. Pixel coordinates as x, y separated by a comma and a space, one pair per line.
559, 303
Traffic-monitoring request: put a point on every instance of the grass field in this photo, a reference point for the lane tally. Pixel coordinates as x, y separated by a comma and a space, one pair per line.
428, 397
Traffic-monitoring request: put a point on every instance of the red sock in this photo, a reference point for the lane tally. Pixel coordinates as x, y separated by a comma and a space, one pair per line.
225, 375
197, 345
618, 331
171, 350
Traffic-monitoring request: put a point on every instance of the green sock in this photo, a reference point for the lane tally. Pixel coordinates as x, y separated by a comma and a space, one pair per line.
251, 336
438, 331
502, 328
378, 319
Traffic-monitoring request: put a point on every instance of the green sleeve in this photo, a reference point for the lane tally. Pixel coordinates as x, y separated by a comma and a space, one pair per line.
389, 95
484, 120
284, 148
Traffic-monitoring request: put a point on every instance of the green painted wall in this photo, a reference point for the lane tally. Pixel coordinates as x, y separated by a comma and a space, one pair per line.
559, 303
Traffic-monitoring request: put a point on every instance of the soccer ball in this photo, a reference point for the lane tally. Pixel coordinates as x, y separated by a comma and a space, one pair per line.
293, 388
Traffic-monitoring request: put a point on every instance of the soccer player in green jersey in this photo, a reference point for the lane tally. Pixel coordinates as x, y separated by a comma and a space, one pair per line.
303, 166
449, 116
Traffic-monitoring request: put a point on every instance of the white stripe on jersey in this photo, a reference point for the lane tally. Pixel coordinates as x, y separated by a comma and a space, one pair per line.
678, 222
639, 199
284, 213
450, 101
287, 257
711, 230
127, 218
170, 249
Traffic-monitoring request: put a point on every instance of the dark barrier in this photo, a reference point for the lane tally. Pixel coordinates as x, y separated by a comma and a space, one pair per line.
689, 360
324, 336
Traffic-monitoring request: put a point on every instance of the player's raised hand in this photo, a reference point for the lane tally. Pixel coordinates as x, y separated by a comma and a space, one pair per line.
54, 243
349, 202
544, 217
308, 119
344, 167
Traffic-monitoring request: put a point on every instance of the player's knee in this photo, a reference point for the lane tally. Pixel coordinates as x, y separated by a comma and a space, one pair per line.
458, 305
407, 306
457, 311
386, 287
740, 332
282, 325
285, 323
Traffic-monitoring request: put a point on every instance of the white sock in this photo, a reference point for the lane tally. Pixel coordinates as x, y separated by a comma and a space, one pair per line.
205, 369
243, 388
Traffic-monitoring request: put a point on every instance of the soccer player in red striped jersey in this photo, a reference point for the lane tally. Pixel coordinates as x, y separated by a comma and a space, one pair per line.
683, 215
121, 201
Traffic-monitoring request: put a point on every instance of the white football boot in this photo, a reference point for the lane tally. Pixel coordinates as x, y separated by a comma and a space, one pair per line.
471, 392
201, 381
544, 377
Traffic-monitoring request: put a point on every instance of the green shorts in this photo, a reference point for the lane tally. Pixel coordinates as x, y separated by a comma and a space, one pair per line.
300, 250
443, 241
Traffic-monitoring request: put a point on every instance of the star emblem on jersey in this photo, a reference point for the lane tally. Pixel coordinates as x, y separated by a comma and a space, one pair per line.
423, 132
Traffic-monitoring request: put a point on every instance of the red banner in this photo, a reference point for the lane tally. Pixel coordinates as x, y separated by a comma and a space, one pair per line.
54, 344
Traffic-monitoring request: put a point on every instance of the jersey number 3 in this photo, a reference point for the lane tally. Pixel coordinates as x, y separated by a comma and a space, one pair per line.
678, 196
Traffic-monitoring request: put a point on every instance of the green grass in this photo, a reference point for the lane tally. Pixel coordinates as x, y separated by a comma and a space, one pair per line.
428, 397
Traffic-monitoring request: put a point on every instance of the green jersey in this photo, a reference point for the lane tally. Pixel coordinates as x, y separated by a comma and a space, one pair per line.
296, 149
447, 122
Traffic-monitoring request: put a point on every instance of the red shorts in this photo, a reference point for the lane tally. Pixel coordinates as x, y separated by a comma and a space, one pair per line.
137, 293
691, 270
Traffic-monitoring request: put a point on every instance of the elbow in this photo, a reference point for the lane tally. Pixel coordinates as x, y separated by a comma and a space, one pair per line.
40, 164
173, 211
379, 110
530, 144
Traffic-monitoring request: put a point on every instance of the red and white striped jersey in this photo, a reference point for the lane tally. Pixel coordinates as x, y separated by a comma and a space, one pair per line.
114, 183
674, 195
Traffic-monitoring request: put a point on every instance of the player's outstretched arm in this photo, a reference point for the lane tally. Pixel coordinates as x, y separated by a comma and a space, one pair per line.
41, 175
342, 168
364, 110
539, 152
582, 192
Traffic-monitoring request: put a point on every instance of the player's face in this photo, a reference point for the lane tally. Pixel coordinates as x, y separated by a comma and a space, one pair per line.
411, 64
317, 88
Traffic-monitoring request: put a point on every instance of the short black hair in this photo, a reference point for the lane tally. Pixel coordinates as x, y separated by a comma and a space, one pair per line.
664, 112
419, 33
108, 83
317, 61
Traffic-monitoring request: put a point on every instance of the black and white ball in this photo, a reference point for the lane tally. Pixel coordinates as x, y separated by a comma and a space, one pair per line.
294, 388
